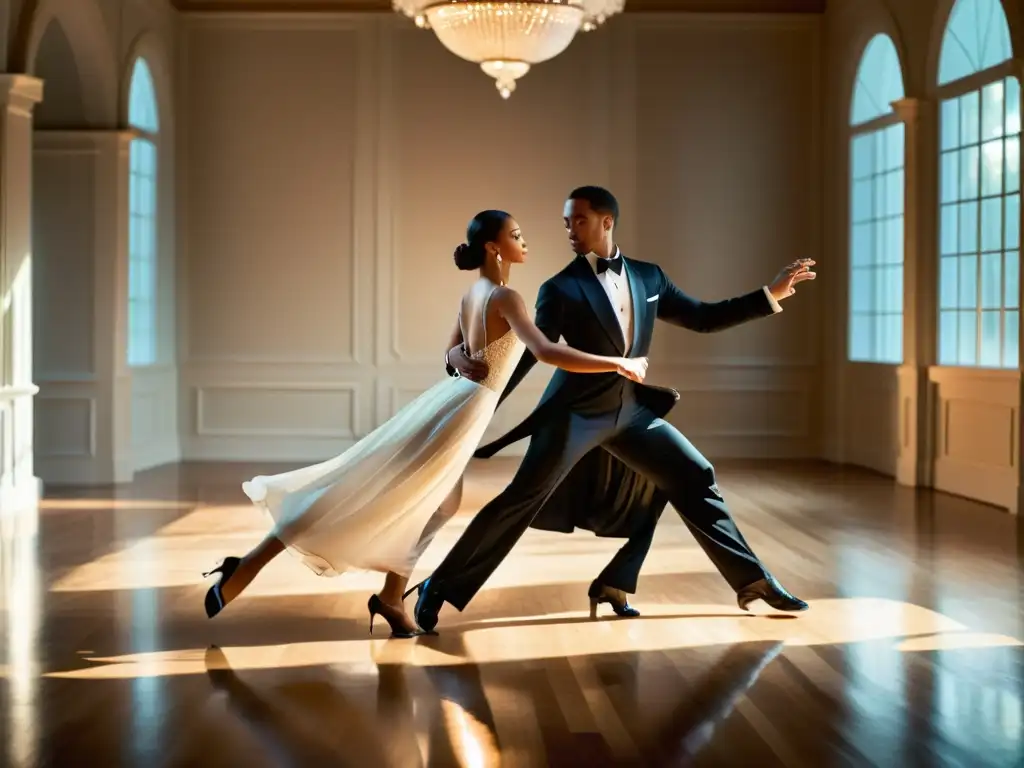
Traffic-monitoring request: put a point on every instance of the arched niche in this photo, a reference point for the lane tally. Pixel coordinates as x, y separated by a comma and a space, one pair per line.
82, 26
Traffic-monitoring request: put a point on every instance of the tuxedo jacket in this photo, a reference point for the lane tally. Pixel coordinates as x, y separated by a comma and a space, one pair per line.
601, 494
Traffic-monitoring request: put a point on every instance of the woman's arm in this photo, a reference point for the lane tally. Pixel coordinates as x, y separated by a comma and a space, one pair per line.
511, 306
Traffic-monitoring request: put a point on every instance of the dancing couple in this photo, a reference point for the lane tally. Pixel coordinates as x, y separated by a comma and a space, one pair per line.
601, 456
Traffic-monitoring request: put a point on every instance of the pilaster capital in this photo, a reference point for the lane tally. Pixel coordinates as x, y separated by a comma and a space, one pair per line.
85, 142
1017, 65
913, 108
20, 93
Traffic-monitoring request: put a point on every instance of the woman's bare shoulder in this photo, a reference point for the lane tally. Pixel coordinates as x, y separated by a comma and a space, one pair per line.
505, 295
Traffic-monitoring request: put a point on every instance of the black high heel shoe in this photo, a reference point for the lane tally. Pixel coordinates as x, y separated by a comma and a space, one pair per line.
377, 607
616, 598
214, 602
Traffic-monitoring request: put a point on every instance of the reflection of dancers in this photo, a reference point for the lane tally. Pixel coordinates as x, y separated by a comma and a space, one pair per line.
677, 724
607, 439
378, 505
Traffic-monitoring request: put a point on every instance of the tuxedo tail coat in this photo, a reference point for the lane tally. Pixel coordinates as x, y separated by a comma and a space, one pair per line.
602, 494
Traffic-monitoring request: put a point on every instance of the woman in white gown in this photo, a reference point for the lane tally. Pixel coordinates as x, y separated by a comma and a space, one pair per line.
379, 504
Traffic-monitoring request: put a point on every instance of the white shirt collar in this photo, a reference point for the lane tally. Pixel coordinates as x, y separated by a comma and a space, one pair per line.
593, 257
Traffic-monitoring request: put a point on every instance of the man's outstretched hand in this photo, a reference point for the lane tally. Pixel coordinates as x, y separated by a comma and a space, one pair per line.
471, 368
785, 283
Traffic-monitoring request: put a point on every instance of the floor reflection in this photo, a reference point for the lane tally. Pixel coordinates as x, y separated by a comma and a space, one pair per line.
456, 726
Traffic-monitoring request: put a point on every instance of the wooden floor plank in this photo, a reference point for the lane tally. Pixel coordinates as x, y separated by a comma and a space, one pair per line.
910, 655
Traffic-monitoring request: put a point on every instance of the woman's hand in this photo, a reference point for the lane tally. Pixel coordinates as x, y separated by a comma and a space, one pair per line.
634, 368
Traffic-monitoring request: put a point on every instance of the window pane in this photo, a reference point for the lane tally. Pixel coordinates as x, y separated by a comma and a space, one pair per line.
1012, 175
1011, 339
1011, 279
878, 242
949, 229
894, 193
969, 159
135, 194
967, 337
949, 290
1012, 106
991, 280
968, 227
878, 342
894, 147
148, 280
991, 224
134, 291
862, 200
992, 167
991, 353
149, 159
147, 238
1012, 222
950, 124
894, 241
860, 245
861, 161
134, 231
860, 290
950, 177
890, 290
968, 278
992, 110
146, 198
969, 118
860, 337
892, 351
947, 337
878, 204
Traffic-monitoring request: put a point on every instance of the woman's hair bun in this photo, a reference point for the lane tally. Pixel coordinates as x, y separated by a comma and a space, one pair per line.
468, 257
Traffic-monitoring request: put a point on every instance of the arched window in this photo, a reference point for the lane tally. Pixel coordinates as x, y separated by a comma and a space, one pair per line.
876, 208
979, 190
142, 216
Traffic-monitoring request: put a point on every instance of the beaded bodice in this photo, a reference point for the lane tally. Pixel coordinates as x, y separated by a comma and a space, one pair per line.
501, 355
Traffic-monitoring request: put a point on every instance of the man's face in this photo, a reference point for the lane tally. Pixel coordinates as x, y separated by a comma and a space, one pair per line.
585, 226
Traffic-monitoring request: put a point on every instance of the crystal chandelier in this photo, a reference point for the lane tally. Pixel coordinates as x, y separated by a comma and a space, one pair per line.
507, 38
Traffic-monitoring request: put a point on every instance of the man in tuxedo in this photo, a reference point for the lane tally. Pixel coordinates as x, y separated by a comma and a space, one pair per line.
601, 456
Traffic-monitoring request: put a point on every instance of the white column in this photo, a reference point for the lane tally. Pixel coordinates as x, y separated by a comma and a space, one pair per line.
920, 288
18, 96
111, 326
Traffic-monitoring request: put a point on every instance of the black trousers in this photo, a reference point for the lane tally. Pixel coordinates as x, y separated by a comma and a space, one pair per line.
644, 442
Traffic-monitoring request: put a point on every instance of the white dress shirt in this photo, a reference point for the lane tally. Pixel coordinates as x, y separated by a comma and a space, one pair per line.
617, 289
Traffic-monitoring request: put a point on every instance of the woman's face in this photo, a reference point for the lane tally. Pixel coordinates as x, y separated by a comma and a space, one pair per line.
510, 244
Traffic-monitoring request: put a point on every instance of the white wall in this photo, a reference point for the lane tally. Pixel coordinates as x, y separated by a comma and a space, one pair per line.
328, 166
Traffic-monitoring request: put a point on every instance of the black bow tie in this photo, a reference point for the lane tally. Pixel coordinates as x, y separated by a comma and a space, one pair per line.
615, 265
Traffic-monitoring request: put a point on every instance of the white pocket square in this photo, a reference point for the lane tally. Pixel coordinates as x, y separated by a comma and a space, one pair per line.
653, 298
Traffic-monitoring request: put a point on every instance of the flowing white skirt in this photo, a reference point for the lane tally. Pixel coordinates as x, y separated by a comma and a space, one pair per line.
367, 508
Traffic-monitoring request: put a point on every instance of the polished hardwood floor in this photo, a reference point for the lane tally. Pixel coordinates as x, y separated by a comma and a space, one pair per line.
910, 655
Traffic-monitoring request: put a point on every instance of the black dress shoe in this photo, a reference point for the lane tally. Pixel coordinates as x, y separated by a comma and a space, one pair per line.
428, 605
616, 598
773, 593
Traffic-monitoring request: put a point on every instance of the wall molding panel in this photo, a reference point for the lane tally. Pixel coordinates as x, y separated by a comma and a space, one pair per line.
408, 170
